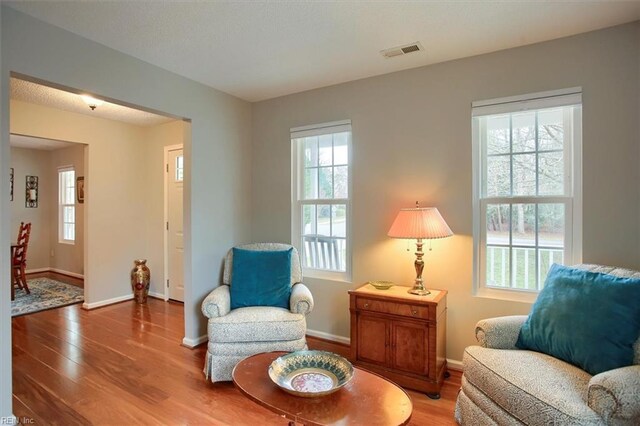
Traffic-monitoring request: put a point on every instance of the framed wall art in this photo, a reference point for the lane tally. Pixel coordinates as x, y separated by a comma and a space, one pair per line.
31, 192
80, 189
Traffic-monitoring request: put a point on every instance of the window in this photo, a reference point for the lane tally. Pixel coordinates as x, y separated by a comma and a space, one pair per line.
179, 168
527, 184
66, 205
320, 209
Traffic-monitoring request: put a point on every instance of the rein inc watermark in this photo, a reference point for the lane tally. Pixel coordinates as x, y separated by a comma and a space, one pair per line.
17, 420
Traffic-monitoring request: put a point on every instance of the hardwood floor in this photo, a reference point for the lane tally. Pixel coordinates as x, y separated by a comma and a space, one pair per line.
123, 364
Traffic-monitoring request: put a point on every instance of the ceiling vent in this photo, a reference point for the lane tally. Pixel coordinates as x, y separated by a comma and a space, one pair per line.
402, 50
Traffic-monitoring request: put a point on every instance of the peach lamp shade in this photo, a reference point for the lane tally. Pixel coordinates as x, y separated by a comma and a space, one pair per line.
419, 223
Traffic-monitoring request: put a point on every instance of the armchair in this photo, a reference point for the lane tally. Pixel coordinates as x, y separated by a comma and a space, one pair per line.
506, 385
239, 333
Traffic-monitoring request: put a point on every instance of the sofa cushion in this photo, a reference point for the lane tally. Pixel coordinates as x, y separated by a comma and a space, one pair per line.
534, 387
261, 278
257, 324
588, 319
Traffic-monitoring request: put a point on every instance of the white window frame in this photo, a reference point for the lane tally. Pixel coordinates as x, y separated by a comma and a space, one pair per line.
62, 205
297, 170
573, 186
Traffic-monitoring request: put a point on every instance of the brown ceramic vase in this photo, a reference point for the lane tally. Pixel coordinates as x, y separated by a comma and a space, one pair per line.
140, 279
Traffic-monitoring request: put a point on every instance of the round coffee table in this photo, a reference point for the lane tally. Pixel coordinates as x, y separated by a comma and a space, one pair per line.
367, 399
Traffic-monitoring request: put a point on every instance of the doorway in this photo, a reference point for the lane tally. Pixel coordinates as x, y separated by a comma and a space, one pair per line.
174, 231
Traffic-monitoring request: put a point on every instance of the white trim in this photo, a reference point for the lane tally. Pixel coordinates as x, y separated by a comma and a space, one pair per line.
63, 272
165, 232
59, 271
454, 364
94, 305
192, 343
37, 270
329, 336
320, 126
548, 99
156, 295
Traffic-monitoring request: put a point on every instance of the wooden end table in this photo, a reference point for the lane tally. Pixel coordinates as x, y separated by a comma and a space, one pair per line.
368, 399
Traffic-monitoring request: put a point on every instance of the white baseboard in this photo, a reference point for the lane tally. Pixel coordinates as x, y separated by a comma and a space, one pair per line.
157, 295
329, 336
101, 303
192, 343
37, 270
59, 271
63, 272
454, 364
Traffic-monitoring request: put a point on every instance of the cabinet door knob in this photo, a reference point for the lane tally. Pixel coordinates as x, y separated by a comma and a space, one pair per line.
366, 305
414, 312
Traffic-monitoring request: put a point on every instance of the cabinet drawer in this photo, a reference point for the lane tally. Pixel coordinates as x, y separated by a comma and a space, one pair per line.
394, 308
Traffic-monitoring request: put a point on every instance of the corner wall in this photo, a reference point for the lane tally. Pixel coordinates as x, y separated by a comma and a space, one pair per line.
66, 257
217, 156
412, 141
33, 162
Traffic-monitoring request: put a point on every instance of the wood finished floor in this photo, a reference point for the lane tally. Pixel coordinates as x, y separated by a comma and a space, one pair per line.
123, 364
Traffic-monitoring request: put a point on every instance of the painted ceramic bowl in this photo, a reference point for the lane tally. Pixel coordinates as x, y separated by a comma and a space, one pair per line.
381, 285
310, 373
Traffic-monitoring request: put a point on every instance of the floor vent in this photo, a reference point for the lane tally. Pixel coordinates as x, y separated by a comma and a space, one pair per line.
402, 50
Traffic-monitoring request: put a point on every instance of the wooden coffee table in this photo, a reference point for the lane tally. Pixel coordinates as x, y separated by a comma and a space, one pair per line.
368, 399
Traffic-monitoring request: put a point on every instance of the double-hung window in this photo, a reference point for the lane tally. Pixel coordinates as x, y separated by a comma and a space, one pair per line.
321, 198
527, 190
66, 205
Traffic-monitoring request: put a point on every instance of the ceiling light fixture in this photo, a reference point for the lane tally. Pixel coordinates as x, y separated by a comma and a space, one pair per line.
91, 101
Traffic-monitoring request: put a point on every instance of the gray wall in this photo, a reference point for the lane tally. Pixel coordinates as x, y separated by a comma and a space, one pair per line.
412, 141
216, 157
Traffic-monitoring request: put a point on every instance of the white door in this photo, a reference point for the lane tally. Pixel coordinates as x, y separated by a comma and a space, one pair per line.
175, 234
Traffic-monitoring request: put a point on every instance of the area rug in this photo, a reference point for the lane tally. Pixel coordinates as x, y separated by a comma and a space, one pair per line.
45, 294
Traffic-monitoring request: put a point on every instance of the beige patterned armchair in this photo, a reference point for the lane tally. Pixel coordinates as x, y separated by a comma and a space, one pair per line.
239, 333
503, 385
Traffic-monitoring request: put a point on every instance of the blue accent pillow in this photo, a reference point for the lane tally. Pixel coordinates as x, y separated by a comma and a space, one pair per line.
260, 278
585, 318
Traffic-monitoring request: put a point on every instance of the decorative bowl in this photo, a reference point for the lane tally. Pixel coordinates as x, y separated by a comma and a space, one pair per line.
310, 373
381, 285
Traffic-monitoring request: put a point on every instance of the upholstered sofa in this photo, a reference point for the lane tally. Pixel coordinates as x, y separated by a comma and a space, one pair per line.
235, 334
506, 386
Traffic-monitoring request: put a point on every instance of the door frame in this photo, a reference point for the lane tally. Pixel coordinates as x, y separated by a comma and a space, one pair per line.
165, 164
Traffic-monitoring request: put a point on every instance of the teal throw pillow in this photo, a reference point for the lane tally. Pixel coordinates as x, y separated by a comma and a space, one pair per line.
260, 278
585, 318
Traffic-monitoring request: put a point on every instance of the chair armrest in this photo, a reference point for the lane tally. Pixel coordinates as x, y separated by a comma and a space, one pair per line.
217, 303
301, 300
615, 395
500, 332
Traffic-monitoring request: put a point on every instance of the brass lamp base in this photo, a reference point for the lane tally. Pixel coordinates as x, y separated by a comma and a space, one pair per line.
419, 291
418, 288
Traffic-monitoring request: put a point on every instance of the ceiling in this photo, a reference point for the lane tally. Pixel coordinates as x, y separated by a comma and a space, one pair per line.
27, 91
19, 141
263, 49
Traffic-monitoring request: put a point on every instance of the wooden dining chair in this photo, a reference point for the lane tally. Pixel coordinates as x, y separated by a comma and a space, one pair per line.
19, 260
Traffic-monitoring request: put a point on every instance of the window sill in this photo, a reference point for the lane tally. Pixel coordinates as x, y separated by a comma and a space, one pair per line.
341, 277
521, 296
69, 243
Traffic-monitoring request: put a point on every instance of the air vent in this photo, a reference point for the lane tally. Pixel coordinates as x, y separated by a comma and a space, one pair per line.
402, 50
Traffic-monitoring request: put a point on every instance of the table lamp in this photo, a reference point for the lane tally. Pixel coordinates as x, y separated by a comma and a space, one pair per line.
419, 223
